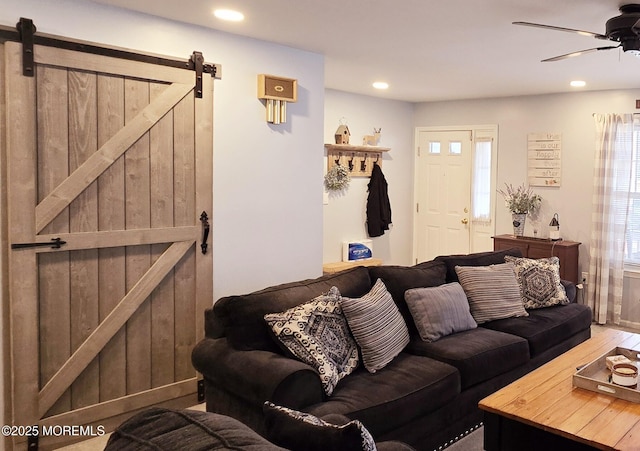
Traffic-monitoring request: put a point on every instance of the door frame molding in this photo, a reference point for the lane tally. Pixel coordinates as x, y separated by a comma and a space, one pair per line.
477, 131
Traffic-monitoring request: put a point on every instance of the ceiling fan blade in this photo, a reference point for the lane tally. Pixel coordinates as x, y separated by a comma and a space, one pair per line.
581, 52
570, 30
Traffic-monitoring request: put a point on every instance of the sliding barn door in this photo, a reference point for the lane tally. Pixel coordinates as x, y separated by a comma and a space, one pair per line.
113, 158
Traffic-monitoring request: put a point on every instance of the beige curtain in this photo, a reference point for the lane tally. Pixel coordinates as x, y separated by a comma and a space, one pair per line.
612, 177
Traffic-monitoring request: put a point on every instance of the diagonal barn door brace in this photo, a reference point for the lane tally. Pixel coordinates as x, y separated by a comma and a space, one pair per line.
103, 158
90, 348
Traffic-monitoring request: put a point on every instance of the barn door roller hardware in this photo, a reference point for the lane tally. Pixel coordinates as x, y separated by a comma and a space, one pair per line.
26, 29
25, 32
196, 63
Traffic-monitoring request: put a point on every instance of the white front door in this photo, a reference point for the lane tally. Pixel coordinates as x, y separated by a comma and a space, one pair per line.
455, 190
443, 204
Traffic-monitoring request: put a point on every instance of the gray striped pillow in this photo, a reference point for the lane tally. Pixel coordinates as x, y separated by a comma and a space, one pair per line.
377, 326
493, 291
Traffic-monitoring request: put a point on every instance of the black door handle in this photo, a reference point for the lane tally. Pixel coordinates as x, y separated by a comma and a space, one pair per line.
204, 219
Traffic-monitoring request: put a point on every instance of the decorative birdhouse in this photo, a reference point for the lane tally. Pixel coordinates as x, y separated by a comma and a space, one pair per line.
342, 134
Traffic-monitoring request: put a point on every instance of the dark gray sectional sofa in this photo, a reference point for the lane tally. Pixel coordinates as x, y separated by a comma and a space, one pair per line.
426, 396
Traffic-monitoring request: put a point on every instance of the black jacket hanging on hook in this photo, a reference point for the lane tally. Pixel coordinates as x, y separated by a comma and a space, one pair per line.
378, 206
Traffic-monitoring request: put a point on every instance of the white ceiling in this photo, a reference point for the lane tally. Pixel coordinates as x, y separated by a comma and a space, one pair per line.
429, 50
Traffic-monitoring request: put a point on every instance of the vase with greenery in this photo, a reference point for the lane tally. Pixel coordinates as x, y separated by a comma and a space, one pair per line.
520, 201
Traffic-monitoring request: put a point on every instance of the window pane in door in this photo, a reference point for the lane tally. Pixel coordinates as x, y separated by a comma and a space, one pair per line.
434, 147
455, 148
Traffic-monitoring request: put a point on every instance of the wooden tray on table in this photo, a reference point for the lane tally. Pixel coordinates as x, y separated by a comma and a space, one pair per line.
596, 376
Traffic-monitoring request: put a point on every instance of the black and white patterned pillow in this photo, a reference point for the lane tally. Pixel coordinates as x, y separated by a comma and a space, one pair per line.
377, 325
317, 333
539, 281
296, 430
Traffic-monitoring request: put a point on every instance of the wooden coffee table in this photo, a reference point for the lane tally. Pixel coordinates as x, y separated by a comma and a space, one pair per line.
544, 410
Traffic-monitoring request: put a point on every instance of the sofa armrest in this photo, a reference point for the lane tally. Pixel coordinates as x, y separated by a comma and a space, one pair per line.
570, 288
257, 376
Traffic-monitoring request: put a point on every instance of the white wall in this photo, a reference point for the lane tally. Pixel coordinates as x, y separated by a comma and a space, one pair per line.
267, 219
345, 214
569, 114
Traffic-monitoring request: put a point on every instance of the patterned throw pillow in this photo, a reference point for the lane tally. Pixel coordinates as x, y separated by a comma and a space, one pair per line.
539, 281
492, 291
317, 333
296, 430
377, 326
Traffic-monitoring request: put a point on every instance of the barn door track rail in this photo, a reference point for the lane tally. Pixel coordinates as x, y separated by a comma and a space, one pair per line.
25, 32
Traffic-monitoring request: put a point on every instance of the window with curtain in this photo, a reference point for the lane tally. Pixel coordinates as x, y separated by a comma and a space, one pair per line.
612, 228
481, 183
632, 233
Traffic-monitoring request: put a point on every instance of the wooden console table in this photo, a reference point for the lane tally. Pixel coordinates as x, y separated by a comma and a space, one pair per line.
565, 250
331, 268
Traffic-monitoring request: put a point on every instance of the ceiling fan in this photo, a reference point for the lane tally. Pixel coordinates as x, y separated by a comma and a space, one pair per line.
624, 29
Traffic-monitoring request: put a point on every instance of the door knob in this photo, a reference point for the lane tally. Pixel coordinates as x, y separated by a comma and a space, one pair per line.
465, 221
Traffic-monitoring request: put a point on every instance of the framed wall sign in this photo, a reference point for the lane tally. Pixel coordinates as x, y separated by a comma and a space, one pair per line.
544, 159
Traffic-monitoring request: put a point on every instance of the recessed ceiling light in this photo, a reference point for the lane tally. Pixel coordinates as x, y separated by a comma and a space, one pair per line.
381, 85
229, 14
578, 83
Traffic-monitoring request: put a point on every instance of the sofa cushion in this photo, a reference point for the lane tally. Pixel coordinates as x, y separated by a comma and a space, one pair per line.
409, 387
478, 354
317, 333
439, 311
492, 291
399, 279
546, 327
539, 281
475, 259
296, 430
242, 317
377, 326
159, 428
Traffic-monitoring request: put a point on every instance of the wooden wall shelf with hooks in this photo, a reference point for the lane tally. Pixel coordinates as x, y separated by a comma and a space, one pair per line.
358, 159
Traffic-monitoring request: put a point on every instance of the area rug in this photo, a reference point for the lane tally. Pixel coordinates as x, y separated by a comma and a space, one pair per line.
471, 442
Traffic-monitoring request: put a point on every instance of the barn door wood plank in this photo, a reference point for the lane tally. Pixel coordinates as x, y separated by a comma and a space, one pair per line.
111, 216
138, 215
185, 214
83, 217
21, 151
204, 200
162, 299
91, 169
114, 321
52, 93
